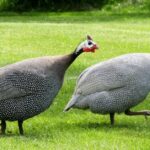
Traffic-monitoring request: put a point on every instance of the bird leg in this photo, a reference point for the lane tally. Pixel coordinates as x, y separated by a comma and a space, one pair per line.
20, 122
3, 126
143, 112
112, 118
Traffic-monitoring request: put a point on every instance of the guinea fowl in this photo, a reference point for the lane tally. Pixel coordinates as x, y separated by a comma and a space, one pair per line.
27, 88
114, 86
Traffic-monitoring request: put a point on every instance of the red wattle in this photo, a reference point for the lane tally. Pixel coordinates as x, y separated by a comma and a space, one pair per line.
86, 49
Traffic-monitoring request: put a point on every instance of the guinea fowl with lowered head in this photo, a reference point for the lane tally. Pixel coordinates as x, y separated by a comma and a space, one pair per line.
27, 88
114, 86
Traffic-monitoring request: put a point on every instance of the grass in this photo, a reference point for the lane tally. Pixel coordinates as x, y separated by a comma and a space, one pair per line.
37, 34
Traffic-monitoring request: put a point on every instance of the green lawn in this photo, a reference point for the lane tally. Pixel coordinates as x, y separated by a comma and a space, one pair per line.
37, 34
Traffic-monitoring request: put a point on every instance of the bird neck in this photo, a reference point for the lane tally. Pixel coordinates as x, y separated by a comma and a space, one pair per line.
74, 55
63, 62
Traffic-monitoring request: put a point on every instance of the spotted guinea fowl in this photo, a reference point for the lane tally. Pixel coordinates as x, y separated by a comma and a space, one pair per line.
114, 86
27, 88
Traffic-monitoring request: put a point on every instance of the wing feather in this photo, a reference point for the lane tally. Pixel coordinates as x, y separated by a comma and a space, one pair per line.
18, 84
104, 77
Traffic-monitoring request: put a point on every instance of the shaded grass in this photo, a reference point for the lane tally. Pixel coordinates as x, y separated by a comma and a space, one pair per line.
74, 17
33, 35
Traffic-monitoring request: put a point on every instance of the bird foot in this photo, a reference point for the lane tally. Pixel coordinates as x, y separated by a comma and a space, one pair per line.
3, 126
143, 112
147, 113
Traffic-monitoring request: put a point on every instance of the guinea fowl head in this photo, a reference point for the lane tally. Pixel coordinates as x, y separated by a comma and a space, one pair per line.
63, 62
86, 46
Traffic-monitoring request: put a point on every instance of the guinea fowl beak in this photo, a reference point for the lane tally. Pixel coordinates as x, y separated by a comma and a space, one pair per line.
96, 46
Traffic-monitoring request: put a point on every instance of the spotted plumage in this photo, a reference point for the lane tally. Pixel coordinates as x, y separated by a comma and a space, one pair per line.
114, 86
29, 87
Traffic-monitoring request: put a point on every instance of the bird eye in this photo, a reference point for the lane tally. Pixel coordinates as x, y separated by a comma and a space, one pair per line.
89, 43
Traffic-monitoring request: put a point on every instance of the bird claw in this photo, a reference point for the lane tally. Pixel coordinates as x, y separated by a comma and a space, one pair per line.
147, 113
146, 117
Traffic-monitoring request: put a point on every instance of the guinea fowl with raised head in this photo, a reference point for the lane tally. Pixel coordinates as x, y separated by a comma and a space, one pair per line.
114, 86
27, 88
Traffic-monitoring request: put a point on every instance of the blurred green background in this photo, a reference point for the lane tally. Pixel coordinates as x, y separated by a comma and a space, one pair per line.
70, 5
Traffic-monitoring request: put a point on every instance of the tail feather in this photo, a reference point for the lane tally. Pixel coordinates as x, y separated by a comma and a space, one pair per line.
70, 104
66, 108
